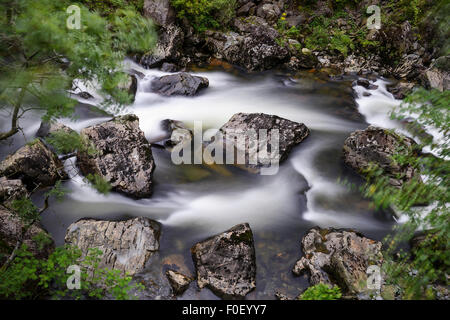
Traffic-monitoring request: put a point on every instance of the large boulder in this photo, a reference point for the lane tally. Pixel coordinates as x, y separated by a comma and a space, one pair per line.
122, 156
179, 84
438, 75
254, 48
160, 11
250, 125
35, 164
11, 190
225, 263
339, 257
377, 146
11, 230
125, 245
168, 47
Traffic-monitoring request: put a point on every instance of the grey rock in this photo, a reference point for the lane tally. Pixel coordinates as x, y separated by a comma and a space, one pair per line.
11, 229
11, 190
376, 146
438, 75
129, 85
168, 47
35, 164
169, 67
160, 11
179, 84
179, 282
123, 156
225, 263
47, 128
401, 89
125, 245
338, 257
290, 134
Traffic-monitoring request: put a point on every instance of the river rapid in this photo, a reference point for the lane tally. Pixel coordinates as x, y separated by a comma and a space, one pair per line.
193, 202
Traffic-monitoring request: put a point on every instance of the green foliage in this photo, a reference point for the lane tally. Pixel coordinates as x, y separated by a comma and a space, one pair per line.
99, 183
41, 56
31, 278
206, 14
109, 7
428, 263
65, 142
321, 292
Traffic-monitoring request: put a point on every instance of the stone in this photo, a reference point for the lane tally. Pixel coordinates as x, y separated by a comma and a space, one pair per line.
438, 75
377, 146
338, 257
35, 164
129, 85
179, 84
125, 245
160, 11
225, 263
47, 128
179, 282
11, 190
123, 156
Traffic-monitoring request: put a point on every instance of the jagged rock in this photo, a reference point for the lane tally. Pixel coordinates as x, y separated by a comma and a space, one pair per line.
401, 89
269, 12
176, 132
167, 49
254, 48
410, 67
438, 75
246, 9
179, 84
169, 67
123, 156
225, 263
46, 128
376, 146
11, 190
290, 134
11, 229
35, 164
125, 245
338, 257
160, 11
179, 282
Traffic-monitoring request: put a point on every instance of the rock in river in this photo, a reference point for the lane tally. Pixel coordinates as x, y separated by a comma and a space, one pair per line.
225, 263
178, 281
11, 228
35, 164
126, 245
179, 84
123, 156
376, 146
338, 257
259, 145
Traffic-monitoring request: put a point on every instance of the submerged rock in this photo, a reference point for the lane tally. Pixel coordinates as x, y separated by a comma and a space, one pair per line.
123, 156
35, 164
179, 282
377, 146
179, 84
258, 145
339, 257
11, 190
126, 245
11, 229
225, 263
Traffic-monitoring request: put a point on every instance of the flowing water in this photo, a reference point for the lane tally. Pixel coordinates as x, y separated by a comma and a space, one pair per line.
193, 201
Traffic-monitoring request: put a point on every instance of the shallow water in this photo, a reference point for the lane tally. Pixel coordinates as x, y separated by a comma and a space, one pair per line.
193, 202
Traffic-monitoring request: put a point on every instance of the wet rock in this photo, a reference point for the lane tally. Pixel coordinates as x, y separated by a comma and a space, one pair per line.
438, 75
179, 84
11, 190
338, 257
123, 156
225, 263
254, 48
169, 67
47, 128
290, 134
168, 47
125, 245
160, 11
179, 282
35, 164
401, 89
129, 85
176, 132
11, 229
377, 146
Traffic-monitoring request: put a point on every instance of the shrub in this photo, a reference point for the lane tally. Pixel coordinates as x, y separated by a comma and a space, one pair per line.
321, 292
